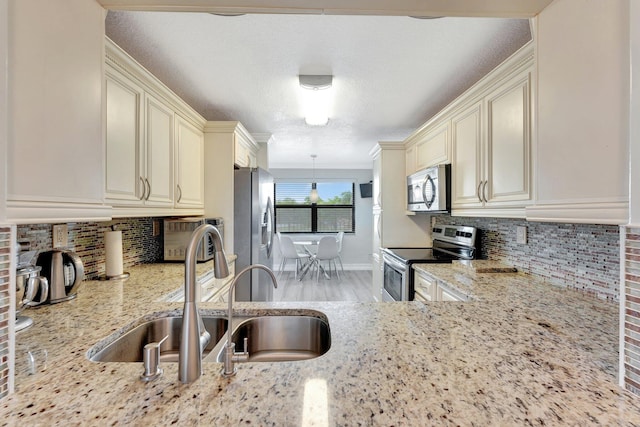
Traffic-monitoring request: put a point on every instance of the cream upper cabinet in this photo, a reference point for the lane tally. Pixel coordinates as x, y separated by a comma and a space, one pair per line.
508, 159
410, 159
246, 150
154, 144
583, 141
433, 149
492, 151
486, 135
467, 173
139, 146
190, 166
124, 137
52, 128
158, 153
430, 145
225, 147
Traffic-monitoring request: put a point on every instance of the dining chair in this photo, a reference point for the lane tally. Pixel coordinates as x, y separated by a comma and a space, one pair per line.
327, 251
289, 251
282, 259
339, 238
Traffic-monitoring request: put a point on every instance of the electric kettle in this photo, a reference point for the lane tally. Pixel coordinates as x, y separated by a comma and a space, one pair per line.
64, 271
29, 283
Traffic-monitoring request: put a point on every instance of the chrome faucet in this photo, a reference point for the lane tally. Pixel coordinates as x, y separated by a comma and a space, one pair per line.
194, 336
230, 356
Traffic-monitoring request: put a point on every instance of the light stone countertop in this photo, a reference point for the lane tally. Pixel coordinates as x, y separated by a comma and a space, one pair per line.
521, 353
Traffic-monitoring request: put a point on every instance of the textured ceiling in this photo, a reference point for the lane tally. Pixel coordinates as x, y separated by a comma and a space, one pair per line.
390, 73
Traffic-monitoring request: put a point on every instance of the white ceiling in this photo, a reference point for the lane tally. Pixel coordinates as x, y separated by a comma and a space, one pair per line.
391, 73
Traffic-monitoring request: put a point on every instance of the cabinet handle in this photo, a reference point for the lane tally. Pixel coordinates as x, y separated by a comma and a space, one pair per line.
180, 194
148, 188
484, 191
478, 191
144, 189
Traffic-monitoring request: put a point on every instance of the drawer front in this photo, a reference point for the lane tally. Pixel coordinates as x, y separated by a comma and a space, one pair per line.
425, 287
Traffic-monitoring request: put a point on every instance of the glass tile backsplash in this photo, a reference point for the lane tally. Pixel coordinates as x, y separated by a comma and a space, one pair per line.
6, 333
584, 257
139, 245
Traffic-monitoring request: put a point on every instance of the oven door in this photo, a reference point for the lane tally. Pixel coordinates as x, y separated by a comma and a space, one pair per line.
395, 281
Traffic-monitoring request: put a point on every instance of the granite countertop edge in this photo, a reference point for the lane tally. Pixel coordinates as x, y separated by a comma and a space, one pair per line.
521, 352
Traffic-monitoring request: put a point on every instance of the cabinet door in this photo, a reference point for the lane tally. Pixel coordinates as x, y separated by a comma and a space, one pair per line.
376, 187
159, 153
377, 231
410, 160
434, 148
190, 158
377, 277
241, 154
425, 287
444, 295
124, 149
466, 130
508, 142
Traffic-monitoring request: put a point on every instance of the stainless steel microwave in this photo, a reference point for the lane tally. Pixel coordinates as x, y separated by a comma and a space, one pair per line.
429, 190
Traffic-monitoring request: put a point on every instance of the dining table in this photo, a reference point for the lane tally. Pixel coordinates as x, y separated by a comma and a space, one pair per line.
306, 246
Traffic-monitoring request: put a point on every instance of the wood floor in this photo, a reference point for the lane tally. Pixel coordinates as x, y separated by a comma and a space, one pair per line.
352, 286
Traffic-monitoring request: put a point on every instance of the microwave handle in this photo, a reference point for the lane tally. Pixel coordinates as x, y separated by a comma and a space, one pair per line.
428, 180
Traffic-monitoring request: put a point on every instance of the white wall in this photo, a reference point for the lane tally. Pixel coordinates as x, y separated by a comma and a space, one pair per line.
356, 248
634, 120
4, 106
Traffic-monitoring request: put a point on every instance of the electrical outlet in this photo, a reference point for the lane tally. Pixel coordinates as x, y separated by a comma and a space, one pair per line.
156, 228
60, 236
521, 235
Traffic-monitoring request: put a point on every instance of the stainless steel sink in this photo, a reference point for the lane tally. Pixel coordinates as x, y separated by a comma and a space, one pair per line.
128, 347
281, 338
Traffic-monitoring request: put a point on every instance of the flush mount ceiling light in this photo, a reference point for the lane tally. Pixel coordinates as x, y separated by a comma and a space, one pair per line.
316, 97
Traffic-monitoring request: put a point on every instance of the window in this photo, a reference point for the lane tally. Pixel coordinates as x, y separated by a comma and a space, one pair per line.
333, 212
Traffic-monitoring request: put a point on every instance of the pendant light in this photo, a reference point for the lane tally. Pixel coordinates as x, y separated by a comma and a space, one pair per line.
313, 196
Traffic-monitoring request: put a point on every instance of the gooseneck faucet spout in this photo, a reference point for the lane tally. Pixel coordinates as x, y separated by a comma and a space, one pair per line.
230, 356
194, 336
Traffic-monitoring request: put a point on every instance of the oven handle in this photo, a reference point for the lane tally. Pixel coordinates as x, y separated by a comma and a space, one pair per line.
395, 264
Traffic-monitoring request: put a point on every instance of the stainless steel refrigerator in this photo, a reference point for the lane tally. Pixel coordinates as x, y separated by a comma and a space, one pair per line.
254, 232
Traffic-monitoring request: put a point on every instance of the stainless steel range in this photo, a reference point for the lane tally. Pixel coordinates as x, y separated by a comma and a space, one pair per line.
450, 242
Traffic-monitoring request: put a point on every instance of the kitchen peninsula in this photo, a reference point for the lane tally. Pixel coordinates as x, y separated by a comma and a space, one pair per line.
520, 353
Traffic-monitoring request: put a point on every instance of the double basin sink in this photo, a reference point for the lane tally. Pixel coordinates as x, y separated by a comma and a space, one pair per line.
270, 338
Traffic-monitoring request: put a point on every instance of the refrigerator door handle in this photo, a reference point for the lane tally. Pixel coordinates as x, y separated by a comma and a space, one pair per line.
270, 227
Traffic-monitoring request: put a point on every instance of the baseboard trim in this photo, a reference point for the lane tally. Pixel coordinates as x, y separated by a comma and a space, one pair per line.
351, 267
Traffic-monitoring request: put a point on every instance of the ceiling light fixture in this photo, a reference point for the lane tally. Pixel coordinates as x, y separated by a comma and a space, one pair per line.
316, 97
313, 196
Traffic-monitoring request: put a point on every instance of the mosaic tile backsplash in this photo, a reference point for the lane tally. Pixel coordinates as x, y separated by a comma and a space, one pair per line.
139, 245
5, 310
631, 348
581, 256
